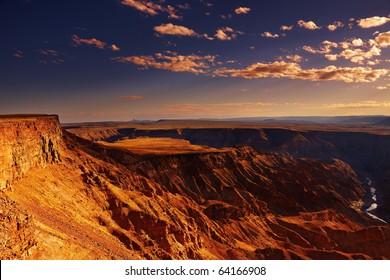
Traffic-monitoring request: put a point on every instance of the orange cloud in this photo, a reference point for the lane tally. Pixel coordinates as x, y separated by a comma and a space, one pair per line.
242, 10
295, 58
227, 34
292, 70
373, 21
176, 30
131, 97
335, 25
286, 28
269, 35
357, 42
196, 109
359, 105
326, 47
383, 39
151, 8
356, 50
93, 42
383, 87
115, 48
171, 61
308, 25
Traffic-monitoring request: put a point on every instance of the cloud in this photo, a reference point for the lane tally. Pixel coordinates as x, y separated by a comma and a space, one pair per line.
131, 97
383, 39
295, 58
308, 25
227, 34
177, 30
55, 61
326, 47
359, 105
50, 52
373, 21
18, 54
383, 87
93, 42
335, 25
286, 28
171, 61
359, 55
226, 16
115, 48
292, 70
151, 8
269, 35
185, 6
51, 56
196, 109
242, 10
357, 42
355, 50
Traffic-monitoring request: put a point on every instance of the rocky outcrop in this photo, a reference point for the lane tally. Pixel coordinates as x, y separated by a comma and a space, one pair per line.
17, 238
74, 199
367, 153
27, 142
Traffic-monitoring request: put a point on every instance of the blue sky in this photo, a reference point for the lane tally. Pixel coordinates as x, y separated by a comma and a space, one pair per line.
135, 59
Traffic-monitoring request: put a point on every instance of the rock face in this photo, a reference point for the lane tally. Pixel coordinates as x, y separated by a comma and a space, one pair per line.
64, 197
367, 153
27, 142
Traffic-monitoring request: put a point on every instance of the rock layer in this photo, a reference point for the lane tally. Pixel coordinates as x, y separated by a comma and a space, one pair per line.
74, 199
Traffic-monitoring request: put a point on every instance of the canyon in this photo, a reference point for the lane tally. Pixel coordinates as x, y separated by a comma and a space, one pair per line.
190, 190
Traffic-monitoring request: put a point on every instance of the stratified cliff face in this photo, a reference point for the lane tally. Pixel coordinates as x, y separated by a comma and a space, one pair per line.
27, 142
74, 199
367, 153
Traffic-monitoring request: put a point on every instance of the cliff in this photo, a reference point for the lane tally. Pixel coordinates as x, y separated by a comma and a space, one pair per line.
368, 153
27, 142
74, 199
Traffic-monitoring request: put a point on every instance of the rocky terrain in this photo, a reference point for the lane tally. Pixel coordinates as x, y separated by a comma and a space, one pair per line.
268, 194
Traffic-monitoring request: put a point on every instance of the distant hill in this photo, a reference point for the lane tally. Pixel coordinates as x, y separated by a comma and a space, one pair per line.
384, 122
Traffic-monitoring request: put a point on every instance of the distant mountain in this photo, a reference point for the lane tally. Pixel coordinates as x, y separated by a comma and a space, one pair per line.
384, 122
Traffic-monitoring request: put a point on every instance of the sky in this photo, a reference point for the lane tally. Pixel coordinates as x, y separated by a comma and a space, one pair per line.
178, 59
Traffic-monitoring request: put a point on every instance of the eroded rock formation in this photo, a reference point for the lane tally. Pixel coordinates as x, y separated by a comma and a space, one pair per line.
64, 197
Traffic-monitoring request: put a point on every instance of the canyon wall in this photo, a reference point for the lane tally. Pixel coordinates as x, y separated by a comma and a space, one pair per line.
367, 153
27, 142
64, 197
